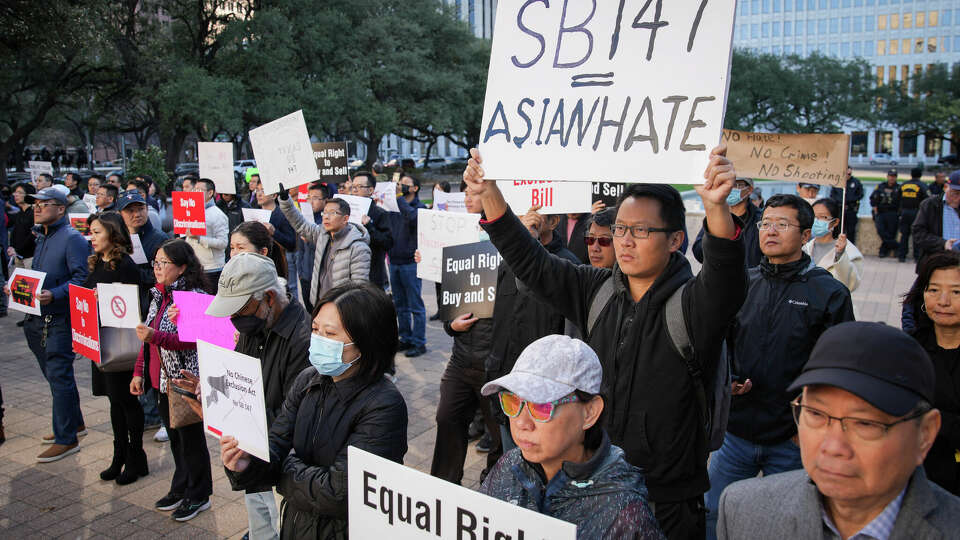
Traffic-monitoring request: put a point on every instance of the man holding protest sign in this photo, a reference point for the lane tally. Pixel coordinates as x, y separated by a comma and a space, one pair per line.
655, 414
275, 330
212, 246
61, 254
790, 302
377, 222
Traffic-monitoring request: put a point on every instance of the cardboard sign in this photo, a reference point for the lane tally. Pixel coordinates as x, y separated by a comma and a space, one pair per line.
331, 158
813, 158
189, 215
385, 195
231, 393
449, 202
84, 327
119, 305
359, 207
469, 282
283, 152
90, 200
554, 197
139, 256
608, 192
216, 163
437, 230
387, 500
39, 167
24, 287
588, 91
79, 223
256, 214
193, 322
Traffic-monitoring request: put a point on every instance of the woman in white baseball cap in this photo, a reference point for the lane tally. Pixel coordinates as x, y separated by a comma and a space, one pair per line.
564, 465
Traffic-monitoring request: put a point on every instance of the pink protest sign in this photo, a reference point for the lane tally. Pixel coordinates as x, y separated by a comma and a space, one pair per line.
194, 323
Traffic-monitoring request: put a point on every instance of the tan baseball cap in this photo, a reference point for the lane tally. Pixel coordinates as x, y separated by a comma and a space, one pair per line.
243, 275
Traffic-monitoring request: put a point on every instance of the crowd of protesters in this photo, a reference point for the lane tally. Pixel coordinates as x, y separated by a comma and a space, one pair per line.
616, 389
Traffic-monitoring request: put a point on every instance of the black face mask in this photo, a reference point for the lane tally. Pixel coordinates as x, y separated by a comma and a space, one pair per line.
248, 324
404, 189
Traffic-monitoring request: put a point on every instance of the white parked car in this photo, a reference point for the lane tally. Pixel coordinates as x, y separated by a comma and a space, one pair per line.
882, 158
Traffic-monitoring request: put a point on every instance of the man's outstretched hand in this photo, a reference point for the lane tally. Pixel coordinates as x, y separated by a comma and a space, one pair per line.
719, 177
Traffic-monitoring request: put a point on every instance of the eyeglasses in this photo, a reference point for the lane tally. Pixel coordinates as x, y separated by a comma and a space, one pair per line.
780, 226
43, 205
604, 241
363, 187
330, 214
512, 404
160, 264
866, 430
637, 231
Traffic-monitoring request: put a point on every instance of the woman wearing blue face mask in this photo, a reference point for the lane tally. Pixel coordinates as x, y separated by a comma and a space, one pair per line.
342, 400
830, 249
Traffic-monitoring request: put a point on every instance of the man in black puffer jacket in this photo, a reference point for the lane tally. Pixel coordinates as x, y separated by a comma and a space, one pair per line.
790, 302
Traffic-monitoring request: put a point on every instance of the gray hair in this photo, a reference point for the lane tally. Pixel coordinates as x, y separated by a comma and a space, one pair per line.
279, 290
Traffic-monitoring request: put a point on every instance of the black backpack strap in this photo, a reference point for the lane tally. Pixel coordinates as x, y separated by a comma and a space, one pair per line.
680, 336
600, 301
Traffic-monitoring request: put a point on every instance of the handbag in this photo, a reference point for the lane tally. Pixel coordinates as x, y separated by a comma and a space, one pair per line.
119, 349
181, 415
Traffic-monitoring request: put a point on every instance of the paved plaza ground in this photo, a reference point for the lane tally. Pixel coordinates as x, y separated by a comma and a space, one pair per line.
67, 499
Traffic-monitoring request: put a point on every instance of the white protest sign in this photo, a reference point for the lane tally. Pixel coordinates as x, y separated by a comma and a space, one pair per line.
359, 207
284, 153
119, 305
306, 210
216, 163
437, 230
388, 500
138, 256
586, 91
449, 202
90, 200
25, 286
39, 167
231, 393
554, 197
385, 195
256, 214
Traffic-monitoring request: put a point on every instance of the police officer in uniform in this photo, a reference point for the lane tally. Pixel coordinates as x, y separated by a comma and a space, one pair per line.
851, 203
912, 193
885, 203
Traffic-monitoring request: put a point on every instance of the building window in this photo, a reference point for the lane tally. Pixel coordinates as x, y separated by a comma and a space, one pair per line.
744, 8
905, 46
775, 29
947, 17
933, 18
822, 26
776, 6
834, 49
811, 27
956, 43
932, 45
787, 28
918, 46
894, 46
881, 47
845, 49
788, 49
868, 24
754, 31
858, 143
755, 7
834, 25
472, 15
811, 5
894, 21
904, 73
744, 31
858, 24
883, 141
868, 48
823, 4
891, 73
845, 25
835, 3
857, 51
921, 19
879, 75
776, 50
765, 30
933, 144
908, 20
908, 142
881, 22
846, 3
787, 4
766, 6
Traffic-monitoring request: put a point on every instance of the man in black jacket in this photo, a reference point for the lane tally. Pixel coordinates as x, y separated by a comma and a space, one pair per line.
232, 206
929, 235
790, 302
749, 214
378, 225
885, 201
849, 198
275, 330
652, 409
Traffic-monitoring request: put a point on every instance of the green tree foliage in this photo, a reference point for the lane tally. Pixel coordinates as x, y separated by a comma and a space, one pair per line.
794, 94
933, 106
150, 162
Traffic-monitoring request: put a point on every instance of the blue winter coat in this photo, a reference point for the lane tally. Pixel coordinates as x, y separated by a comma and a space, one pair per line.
605, 497
62, 253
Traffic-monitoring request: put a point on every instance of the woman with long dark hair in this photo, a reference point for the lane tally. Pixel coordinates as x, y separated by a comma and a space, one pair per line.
254, 237
935, 297
176, 268
111, 263
343, 400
